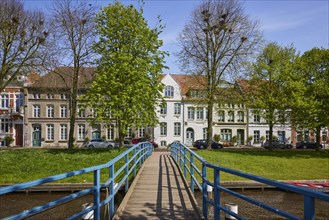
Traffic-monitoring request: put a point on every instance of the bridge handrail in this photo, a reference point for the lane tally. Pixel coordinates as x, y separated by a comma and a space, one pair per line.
140, 152
184, 156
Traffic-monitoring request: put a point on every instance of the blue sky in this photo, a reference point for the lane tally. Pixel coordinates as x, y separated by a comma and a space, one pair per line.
305, 23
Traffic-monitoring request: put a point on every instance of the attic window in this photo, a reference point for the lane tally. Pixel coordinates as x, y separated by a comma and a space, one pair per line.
169, 91
197, 93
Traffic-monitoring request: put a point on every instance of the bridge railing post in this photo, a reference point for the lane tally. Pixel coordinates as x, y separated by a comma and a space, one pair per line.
309, 208
135, 159
204, 192
192, 172
127, 172
111, 191
184, 151
97, 194
180, 156
216, 195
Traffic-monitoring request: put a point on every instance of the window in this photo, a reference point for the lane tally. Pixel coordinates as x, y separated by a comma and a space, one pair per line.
163, 109
4, 100
81, 112
267, 135
36, 96
221, 116
256, 137
324, 136
199, 113
177, 108
129, 133
169, 91
110, 132
256, 118
226, 134
230, 116
63, 96
4, 125
50, 96
63, 132
50, 111
81, 132
205, 132
190, 113
206, 112
163, 143
177, 129
36, 111
63, 113
141, 132
240, 116
163, 128
19, 101
50, 132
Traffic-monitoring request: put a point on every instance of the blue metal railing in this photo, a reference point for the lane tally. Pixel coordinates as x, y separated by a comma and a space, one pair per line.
133, 159
186, 159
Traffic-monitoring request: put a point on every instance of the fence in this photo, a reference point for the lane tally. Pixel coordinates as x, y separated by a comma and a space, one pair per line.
187, 160
133, 159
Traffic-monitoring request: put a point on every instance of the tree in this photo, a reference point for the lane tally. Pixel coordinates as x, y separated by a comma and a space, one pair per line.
214, 43
309, 85
22, 41
266, 94
127, 85
74, 27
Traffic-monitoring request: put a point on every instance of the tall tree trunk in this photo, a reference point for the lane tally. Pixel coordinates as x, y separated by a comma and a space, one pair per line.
209, 130
318, 138
73, 107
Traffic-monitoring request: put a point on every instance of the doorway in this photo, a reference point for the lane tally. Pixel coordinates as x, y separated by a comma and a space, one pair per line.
189, 136
36, 136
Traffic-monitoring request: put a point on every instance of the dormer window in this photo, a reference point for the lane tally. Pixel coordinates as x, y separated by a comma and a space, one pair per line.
36, 96
169, 91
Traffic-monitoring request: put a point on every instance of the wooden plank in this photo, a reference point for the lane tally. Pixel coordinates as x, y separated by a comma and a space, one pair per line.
159, 192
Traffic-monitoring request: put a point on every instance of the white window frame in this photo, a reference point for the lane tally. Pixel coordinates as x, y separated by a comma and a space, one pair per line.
169, 91
190, 113
226, 134
110, 132
81, 132
221, 116
36, 111
19, 100
163, 109
50, 132
50, 111
177, 108
240, 116
199, 113
63, 111
177, 129
230, 116
256, 136
4, 100
63, 132
163, 128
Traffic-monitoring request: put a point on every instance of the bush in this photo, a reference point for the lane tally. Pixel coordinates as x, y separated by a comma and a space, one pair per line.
9, 140
217, 137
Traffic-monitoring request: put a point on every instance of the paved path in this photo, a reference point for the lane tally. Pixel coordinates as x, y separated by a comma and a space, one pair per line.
159, 193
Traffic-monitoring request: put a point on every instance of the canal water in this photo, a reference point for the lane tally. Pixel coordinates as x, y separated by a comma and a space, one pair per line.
289, 202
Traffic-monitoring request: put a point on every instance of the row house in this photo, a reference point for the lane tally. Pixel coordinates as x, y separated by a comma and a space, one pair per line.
47, 112
183, 116
11, 114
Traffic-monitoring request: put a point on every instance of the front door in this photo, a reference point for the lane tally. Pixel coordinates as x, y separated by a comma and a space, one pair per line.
189, 136
19, 135
282, 136
36, 135
240, 138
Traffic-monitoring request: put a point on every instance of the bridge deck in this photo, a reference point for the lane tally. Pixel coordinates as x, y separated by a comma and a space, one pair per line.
159, 192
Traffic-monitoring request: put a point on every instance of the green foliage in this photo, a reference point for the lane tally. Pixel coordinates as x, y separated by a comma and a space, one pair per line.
217, 137
127, 85
9, 140
234, 139
268, 74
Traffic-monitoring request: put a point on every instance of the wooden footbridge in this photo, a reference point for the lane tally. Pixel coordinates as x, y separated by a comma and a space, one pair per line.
159, 192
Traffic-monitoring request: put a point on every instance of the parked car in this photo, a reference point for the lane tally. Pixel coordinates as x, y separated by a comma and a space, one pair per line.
138, 140
100, 143
277, 144
203, 144
127, 143
307, 145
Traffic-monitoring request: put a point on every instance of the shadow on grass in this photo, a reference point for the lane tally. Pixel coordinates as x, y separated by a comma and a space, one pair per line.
283, 153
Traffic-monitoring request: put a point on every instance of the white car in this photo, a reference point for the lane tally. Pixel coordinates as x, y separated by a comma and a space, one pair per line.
100, 143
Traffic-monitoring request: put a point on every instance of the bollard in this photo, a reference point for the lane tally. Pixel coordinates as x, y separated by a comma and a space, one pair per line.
233, 208
89, 215
209, 190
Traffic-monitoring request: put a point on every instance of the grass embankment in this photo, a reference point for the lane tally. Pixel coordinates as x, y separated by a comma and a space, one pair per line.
278, 165
23, 165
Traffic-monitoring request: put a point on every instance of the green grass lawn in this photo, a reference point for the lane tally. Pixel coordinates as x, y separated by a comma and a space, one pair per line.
278, 165
23, 165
